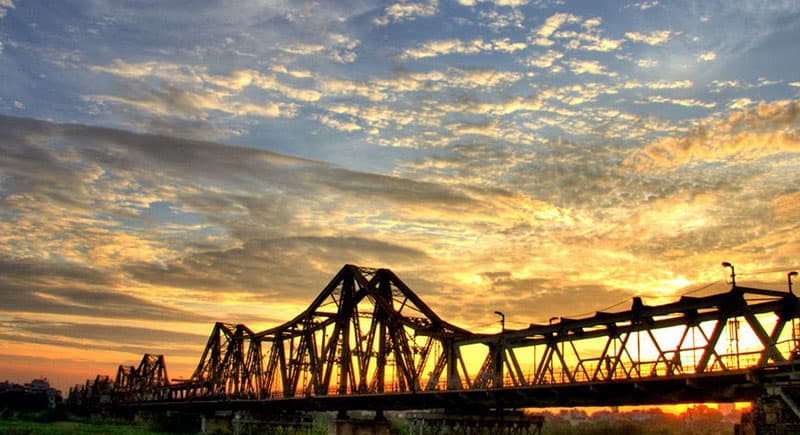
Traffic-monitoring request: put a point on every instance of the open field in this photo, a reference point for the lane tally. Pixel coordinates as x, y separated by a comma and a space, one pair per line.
22, 427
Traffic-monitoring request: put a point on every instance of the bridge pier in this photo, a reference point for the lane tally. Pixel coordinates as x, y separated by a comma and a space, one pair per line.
344, 425
771, 415
218, 422
511, 423
246, 422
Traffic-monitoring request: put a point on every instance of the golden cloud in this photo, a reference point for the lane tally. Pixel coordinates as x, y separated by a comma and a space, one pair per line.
768, 129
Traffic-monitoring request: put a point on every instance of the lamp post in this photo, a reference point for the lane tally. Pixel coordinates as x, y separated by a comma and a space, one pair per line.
733, 272
789, 278
502, 321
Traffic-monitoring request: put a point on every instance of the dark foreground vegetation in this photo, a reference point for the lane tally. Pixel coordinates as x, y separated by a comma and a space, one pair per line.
700, 420
697, 421
58, 422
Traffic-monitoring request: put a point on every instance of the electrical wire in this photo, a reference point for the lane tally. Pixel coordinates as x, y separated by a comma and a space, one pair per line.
700, 288
595, 311
626, 300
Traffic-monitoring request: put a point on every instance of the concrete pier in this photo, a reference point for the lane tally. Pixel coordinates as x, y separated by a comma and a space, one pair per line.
359, 427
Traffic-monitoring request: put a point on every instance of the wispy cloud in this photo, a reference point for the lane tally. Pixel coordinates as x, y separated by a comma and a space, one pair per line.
589, 67
660, 84
406, 11
644, 5
652, 38
707, 56
685, 102
457, 46
547, 59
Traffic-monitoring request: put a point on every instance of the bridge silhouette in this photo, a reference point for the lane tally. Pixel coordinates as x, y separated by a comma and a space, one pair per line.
368, 342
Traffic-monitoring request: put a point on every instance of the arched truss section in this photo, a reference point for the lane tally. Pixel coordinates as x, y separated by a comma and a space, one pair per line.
367, 332
147, 381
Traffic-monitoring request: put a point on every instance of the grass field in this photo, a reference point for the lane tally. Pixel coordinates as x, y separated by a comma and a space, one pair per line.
21, 427
60, 422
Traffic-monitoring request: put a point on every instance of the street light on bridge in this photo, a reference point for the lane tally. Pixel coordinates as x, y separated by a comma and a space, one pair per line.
733, 272
502, 320
789, 278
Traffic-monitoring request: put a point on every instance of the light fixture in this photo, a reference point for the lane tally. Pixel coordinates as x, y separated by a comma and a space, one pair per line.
733, 272
502, 320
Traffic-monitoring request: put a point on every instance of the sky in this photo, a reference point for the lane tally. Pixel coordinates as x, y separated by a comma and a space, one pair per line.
166, 165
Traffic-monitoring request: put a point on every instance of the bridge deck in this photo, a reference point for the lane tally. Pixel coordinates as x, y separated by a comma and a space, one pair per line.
731, 386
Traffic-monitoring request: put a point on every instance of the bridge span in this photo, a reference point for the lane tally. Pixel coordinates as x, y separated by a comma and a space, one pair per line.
368, 342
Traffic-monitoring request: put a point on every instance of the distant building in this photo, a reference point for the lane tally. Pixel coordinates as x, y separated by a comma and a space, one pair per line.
37, 394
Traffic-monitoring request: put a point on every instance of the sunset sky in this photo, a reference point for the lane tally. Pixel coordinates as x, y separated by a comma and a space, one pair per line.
165, 165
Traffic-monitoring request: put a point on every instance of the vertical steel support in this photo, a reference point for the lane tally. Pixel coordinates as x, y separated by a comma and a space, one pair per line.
497, 350
343, 319
453, 357
384, 291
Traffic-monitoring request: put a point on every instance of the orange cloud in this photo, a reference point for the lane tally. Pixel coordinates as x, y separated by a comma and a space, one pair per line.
768, 129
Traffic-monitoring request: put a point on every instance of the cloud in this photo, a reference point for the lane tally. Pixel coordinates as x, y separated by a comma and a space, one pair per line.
340, 87
685, 102
197, 78
510, 3
643, 6
103, 337
479, 78
589, 41
722, 84
406, 11
506, 46
546, 60
589, 67
578, 93
456, 46
647, 63
42, 286
660, 84
343, 48
220, 194
498, 20
740, 103
554, 22
510, 294
267, 268
171, 98
707, 56
652, 38
338, 124
227, 236
304, 49
496, 108
748, 135
591, 23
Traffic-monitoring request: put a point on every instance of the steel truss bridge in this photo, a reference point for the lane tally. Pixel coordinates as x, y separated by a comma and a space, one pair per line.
368, 342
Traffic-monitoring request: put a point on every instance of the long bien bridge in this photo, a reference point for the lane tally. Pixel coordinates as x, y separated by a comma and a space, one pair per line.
368, 342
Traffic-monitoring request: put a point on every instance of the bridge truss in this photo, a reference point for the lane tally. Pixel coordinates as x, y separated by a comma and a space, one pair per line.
367, 335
